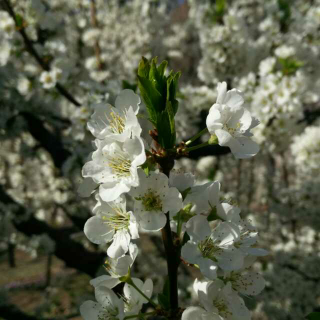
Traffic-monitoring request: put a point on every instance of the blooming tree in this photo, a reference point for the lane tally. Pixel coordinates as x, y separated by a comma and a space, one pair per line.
68, 71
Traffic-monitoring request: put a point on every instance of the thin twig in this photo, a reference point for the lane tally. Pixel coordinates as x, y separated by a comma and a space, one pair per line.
94, 23
29, 46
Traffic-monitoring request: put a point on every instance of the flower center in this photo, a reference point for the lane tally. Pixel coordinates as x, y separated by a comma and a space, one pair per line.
117, 221
152, 202
209, 249
117, 123
231, 130
222, 307
109, 313
120, 165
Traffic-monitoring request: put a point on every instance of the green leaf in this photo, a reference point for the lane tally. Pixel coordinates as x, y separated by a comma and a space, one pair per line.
166, 127
313, 316
151, 97
164, 130
162, 67
144, 68
290, 65
128, 85
19, 20
285, 14
158, 91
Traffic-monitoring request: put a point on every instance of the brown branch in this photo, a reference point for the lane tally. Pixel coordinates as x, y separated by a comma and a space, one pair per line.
94, 23
172, 251
71, 252
29, 46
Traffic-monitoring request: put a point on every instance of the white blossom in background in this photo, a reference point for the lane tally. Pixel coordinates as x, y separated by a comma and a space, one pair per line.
153, 198
305, 150
24, 86
7, 25
285, 52
231, 123
50, 78
112, 223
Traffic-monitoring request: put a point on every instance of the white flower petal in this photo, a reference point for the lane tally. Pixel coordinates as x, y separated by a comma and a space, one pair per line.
153, 221
191, 253
86, 188
248, 148
111, 191
106, 297
198, 228
127, 98
120, 244
106, 281
194, 313
222, 92
90, 310
208, 268
97, 231
251, 283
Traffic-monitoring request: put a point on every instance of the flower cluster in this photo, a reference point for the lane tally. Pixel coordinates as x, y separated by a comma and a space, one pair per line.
208, 230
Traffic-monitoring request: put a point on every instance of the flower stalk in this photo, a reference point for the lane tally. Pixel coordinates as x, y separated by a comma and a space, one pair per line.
198, 135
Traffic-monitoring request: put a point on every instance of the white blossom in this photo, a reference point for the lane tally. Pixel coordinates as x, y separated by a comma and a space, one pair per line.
108, 306
231, 123
153, 199
219, 302
113, 223
114, 166
119, 123
212, 248
50, 78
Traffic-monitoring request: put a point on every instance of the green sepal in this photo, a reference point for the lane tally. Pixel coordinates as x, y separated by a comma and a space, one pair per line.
148, 166
127, 277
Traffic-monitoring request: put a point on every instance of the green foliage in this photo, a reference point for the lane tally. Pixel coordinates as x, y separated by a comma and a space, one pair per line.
284, 8
290, 65
19, 21
313, 316
128, 85
217, 11
159, 94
